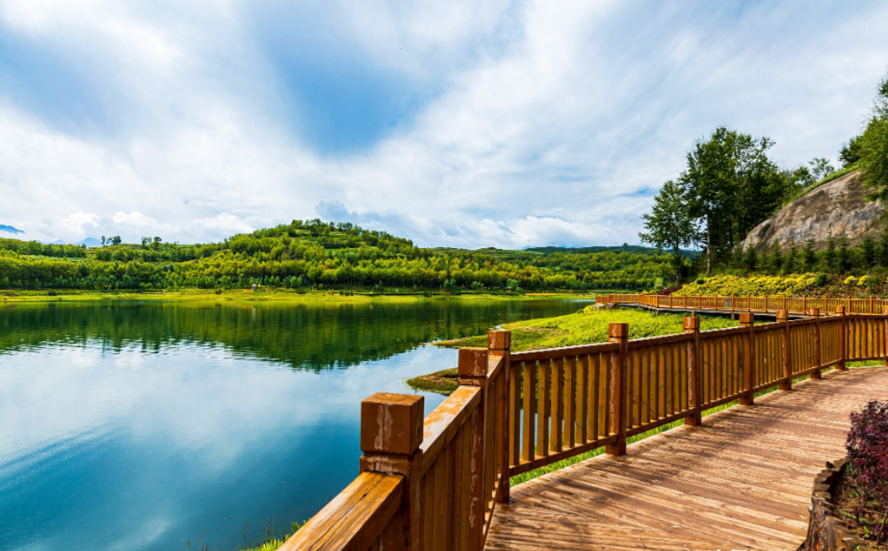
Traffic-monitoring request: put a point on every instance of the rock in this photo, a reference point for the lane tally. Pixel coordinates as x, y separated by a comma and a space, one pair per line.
835, 207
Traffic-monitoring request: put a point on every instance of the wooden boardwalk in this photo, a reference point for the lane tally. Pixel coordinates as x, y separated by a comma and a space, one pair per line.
742, 480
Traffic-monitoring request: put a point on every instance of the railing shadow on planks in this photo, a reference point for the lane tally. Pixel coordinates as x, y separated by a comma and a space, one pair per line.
434, 483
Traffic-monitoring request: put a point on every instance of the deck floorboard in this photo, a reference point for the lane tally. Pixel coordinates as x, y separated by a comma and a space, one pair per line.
742, 480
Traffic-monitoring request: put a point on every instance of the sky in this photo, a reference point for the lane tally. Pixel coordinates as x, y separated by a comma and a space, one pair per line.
451, 123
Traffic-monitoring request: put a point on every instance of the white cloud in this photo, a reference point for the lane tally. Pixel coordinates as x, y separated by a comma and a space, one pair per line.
538, 123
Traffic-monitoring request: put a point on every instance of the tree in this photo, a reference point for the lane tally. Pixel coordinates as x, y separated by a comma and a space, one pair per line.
750, 259
829, 256
792, 258
843, 258
850, 152
874, 146
821, 168
776, 259
883, 248
730, 186
809, 256
868, 252
116, 240
669, 224
103, 240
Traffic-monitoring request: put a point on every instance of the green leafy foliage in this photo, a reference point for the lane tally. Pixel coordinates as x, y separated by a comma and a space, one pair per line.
313, 254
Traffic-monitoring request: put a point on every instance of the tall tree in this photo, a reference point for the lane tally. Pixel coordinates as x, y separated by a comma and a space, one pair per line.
669, 224
711, 187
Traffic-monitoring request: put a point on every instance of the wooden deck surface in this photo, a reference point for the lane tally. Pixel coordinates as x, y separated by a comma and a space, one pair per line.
743, 480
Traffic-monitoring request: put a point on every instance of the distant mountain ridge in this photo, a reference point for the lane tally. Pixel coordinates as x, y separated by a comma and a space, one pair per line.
637, 249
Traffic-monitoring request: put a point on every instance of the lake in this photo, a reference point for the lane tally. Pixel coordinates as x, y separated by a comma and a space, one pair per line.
143, 425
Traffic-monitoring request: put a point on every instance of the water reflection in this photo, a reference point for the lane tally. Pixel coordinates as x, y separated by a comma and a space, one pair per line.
137, 426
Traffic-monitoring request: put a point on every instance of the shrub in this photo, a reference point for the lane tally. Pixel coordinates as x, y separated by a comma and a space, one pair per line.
850, 280
867, 446
821, 280
701, 281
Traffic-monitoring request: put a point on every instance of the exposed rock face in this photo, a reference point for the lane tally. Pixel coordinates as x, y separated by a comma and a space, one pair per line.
833, 208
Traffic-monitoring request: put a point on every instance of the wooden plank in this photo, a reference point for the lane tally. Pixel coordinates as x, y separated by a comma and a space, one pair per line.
570, 399
443, 423
529, 411
553, 353
544, 384
583, 398
556, 434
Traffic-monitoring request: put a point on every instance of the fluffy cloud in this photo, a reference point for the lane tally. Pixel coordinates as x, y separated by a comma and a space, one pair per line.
508, 124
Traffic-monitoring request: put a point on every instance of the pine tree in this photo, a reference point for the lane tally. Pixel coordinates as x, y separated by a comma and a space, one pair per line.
868, 252
809, 256
829, 256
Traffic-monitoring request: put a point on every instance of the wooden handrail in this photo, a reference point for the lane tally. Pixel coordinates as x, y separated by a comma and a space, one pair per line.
433, 483
355, 519
867, 306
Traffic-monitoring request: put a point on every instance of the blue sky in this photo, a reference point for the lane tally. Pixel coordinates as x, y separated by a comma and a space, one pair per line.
452, 123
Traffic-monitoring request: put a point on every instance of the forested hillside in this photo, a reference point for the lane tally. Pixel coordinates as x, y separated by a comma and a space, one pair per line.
315, 254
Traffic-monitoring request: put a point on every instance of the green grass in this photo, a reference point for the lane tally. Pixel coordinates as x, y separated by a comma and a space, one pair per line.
589, 326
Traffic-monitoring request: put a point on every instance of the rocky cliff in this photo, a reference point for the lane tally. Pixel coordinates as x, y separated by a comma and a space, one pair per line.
836, 207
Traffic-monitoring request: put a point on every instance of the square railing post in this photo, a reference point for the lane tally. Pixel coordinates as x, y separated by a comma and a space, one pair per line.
783, 319
499, 343
472, 371
814, 313
618, 333
747, 320
695, 400
391, 433
843, 338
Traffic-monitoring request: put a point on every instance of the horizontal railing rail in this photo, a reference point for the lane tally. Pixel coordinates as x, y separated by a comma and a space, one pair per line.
738, 303
433, 483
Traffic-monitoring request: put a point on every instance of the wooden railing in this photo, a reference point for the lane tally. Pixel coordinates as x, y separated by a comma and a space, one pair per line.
793, 305
434, 483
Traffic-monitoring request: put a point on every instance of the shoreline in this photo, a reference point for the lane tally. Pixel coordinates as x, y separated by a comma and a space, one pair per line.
280, 296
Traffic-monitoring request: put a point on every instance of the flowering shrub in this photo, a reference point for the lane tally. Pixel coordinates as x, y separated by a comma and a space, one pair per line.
866, 280
757, 286
850, 280
867, 446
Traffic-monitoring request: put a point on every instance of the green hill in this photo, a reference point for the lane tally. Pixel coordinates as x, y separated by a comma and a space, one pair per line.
316, 254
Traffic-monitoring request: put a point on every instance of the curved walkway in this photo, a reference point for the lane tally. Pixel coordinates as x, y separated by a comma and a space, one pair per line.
742, 480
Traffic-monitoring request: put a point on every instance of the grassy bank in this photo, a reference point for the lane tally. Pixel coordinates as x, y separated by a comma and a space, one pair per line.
269, 295
584, 327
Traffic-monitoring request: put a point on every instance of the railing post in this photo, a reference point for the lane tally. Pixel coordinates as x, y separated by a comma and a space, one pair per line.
818, 354
843, 338
472, 371
885, 335
783, 318
748, 320
391, 433
692, 325
618, 333
499, 343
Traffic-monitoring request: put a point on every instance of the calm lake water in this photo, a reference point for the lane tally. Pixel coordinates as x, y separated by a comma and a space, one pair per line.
138, 426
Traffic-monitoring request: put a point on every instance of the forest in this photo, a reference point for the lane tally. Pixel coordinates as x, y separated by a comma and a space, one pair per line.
314, 254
